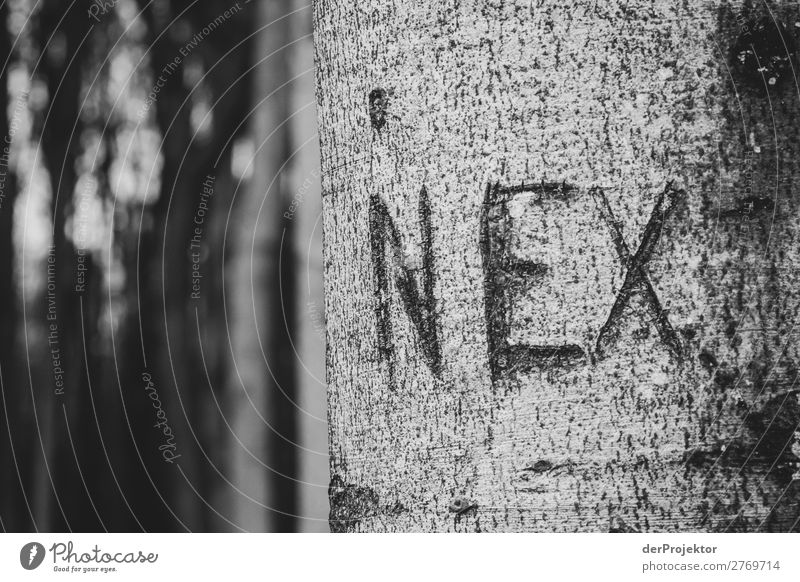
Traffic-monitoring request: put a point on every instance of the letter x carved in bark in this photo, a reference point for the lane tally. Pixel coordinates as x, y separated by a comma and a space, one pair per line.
636, 278
547, 281
415, 286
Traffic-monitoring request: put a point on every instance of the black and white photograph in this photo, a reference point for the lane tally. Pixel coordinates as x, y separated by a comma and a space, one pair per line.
287, 268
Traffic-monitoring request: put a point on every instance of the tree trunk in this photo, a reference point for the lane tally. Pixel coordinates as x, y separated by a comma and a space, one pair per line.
309, 331
64, 411
559, 265
14, 513
260, 386
183, 264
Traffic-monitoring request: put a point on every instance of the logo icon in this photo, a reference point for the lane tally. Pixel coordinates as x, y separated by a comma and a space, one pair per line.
31, 555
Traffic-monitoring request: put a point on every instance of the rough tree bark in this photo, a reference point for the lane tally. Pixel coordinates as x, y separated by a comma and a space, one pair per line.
560, 249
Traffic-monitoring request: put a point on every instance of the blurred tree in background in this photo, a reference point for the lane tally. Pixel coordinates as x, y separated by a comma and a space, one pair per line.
161, 346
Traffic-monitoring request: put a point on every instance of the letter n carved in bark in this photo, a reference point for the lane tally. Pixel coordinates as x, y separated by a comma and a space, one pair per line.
414, 285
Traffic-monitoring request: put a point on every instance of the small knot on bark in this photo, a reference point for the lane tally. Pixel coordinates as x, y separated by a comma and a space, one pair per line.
378, 102
461, 505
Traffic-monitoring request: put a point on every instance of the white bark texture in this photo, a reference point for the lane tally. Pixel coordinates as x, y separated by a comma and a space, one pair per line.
560, 250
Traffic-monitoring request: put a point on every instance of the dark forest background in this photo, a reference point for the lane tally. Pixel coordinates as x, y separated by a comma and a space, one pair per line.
161, 311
